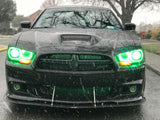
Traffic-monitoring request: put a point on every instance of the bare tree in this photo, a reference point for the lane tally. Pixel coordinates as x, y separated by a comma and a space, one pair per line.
47, 3
126, 8
123, 8
7, 10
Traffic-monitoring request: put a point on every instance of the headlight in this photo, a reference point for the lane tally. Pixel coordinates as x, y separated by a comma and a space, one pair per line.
20, 55
134, 57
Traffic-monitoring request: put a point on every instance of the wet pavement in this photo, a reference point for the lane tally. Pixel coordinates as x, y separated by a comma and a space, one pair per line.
4, 41
150, 110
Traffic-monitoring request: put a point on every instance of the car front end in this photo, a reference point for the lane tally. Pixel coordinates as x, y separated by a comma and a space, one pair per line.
75, 68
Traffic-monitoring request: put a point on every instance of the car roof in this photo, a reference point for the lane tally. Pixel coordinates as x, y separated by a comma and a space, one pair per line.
78, 7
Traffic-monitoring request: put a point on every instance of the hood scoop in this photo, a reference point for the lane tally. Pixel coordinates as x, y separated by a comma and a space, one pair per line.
73, 39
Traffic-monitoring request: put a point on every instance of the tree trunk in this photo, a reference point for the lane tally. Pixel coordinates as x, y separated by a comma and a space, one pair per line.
126, 18
126, 15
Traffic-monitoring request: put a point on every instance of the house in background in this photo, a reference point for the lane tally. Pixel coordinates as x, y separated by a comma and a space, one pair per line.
34, 16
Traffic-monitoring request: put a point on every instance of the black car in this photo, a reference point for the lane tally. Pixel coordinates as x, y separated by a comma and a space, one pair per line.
76, 57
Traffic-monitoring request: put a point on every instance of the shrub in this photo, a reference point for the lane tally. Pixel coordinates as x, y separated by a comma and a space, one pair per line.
158, 36
148, 35
154, 33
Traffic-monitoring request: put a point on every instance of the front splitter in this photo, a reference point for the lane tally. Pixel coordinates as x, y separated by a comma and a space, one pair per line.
74, 104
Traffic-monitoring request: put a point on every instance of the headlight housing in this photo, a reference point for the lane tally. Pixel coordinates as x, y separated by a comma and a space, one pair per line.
132, 58
20, 55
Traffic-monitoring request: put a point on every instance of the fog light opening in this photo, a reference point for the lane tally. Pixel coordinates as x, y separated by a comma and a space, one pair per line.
16, 86
133, 89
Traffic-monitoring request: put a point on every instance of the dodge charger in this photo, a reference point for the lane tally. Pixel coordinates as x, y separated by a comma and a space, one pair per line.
76, 57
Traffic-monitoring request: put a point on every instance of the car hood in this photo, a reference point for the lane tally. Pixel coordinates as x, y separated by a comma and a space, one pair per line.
49, 40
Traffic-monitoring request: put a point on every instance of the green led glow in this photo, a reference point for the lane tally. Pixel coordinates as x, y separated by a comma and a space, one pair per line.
16, 54
79, 92
16, 87
133, 89
135, 57
124, 56
27, 55
90, 57
61, 56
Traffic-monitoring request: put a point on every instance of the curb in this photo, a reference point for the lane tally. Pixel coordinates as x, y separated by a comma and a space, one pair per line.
5, 37
3, 49
154, 70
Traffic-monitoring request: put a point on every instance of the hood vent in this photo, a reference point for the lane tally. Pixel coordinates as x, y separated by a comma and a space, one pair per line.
72, 39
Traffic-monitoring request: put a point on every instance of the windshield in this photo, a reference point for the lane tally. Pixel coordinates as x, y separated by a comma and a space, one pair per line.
99, 19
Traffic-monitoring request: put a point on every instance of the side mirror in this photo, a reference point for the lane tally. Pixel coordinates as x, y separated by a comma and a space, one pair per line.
129, 26
26, 24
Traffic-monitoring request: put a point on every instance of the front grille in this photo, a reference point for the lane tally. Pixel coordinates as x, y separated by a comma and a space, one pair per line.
75, 62
69, 93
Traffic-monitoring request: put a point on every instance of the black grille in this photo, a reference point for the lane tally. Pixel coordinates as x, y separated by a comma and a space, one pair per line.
75, 62
70, 94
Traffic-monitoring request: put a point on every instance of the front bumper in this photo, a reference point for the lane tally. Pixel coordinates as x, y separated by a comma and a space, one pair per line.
74, 104
75, 89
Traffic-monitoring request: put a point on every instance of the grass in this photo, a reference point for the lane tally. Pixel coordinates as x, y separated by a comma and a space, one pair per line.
154, 48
